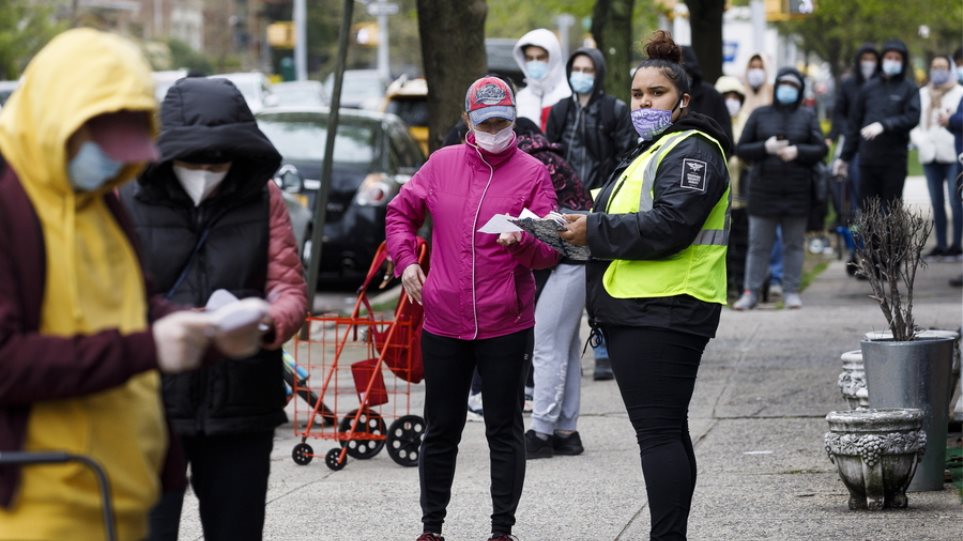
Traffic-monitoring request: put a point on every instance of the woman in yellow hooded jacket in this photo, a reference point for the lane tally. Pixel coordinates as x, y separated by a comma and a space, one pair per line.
81, 342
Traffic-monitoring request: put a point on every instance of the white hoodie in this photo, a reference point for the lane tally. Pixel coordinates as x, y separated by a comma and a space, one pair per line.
535, 100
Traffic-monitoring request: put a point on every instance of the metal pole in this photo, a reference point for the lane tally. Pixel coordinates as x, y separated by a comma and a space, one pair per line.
758, 16
384, 67
300, 40
321, 200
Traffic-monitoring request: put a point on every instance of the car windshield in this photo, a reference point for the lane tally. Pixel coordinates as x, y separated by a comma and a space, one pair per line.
302, 137
414, 112
298, 95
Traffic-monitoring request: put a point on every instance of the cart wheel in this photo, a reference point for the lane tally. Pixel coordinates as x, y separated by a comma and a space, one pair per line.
404, 440
302, 454
331, 459
370, 422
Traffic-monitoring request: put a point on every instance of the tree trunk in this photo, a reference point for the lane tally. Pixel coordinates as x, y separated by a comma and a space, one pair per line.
453, 54
705, 19
612, 30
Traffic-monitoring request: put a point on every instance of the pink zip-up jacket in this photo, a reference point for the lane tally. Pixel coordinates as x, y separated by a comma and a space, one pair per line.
475, 288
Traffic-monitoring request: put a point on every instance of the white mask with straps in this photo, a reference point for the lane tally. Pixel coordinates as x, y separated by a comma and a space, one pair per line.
198, 183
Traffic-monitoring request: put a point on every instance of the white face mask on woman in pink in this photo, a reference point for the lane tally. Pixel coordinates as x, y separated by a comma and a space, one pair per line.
495, 142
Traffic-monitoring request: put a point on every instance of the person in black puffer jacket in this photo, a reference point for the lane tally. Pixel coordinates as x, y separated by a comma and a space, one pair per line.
783, 143
878, 127
209, 217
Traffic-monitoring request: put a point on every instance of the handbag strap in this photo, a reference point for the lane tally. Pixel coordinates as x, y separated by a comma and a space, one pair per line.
189, 264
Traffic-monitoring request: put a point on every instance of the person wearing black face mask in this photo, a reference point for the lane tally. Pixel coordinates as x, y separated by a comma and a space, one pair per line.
886, 109
782, 142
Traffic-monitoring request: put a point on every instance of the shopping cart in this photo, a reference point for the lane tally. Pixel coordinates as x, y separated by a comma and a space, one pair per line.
33, 459
357, 347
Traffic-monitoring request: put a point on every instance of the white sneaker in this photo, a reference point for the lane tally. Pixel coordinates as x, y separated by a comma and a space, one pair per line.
747, 301
793, 301
775, 290
475, 403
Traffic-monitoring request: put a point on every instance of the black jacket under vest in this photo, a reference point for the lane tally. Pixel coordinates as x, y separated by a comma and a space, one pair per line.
221, 244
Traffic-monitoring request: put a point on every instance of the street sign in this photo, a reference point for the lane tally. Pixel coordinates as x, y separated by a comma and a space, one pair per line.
382, 8
281, 35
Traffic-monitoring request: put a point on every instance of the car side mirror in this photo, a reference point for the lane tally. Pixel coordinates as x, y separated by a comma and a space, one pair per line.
289, 179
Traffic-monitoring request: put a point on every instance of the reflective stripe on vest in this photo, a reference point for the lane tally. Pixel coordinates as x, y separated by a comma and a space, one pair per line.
699, 269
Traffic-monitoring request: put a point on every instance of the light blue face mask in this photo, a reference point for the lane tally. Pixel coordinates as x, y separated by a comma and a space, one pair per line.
892, 67
536, 69
91, 168
582, 83
787, 94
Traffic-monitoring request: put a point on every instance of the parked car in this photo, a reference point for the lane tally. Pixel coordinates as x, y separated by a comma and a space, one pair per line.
361, 89
254, 86
7, 88
164, 80
408, 99
299, 94
501, 60
374, 155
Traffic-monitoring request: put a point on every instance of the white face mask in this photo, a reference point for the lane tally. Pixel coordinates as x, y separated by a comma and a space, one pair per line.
868, 68
495, 142
733, 105
198, 183
756, 77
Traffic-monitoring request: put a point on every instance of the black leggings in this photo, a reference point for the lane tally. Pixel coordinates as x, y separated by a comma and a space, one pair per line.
449, 364
656, 371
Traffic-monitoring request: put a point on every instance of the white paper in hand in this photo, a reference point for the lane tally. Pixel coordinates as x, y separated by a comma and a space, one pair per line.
220, 298
235, 315
499, 223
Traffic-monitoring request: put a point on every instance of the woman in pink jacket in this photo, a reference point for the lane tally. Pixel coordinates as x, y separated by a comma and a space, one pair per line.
478, 297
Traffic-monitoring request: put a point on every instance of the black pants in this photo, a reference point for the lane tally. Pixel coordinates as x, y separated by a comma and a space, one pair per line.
656, 371
449, 364
885, 182
229, 475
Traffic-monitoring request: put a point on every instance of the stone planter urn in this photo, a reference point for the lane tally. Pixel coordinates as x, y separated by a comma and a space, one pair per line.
876, 453
852, 380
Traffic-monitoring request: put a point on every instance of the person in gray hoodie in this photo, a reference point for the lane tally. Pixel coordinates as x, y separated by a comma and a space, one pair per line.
886, 109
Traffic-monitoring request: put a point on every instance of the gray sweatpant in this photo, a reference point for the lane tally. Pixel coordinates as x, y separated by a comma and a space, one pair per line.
557, 364
762, 234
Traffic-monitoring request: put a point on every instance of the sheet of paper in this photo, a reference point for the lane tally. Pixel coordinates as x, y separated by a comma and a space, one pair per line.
220, 297
239, 314
499, 223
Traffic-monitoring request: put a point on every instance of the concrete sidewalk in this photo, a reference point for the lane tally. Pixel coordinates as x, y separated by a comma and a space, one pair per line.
757, 420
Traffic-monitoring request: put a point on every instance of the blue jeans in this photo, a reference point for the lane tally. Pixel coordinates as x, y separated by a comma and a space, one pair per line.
775, 259
938, 176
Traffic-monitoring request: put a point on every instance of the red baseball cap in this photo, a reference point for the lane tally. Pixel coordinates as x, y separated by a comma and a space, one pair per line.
489, 97
124, 136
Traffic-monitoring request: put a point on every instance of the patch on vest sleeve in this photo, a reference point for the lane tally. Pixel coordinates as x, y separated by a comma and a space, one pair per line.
694, 174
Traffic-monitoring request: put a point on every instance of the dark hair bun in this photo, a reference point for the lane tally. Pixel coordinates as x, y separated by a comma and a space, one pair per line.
661, 47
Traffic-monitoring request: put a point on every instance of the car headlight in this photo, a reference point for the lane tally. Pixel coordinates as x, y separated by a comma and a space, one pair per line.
375, 190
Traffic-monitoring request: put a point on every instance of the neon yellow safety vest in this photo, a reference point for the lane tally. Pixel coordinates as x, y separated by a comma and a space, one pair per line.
700, 269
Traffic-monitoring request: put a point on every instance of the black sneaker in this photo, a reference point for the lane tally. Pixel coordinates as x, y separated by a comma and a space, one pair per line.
536, 447
603, 370
570, 445
935, 253
954, 253
957, 282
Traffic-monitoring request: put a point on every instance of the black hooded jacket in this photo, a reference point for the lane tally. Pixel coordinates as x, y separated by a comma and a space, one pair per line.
894, 102
595, 136
776, 187
849, 89
678, 214
221, 244
705, 98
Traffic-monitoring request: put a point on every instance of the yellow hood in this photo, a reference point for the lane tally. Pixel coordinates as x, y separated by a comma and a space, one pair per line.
80, 74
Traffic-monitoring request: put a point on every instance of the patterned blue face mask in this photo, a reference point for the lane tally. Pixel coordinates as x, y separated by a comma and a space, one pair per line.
649, 122
91, 168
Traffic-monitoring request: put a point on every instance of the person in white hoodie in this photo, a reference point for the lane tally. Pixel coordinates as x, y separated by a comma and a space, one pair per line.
539, 55
938, 100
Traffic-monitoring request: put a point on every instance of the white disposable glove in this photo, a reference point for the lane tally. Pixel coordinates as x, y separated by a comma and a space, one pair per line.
788, 154
240, 341
840, 168
870, 132
180, 340
773, 145
413, 280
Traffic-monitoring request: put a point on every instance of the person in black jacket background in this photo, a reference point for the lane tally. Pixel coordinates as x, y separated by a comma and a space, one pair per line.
205, 217
705, 98
865, 68
878, 127
594, 130
782, 142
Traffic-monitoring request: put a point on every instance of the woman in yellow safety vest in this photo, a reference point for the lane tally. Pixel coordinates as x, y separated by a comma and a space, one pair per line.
657, 277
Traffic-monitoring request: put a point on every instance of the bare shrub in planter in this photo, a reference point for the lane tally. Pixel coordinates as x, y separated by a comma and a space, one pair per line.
890, 241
